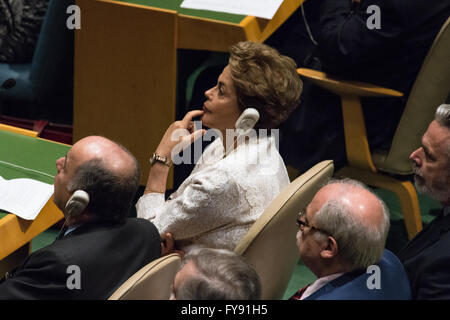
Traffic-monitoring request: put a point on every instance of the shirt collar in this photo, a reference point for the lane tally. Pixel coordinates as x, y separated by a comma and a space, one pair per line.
70, 229
319, 283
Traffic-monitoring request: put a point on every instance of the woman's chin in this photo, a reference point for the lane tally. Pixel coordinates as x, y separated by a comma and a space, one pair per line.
204, 119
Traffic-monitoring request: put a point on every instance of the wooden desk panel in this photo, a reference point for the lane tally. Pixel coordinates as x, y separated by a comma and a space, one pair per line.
125, 75
203, 33
125, 64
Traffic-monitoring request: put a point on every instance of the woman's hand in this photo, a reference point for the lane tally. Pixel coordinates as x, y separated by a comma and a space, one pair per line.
168, 245
179, 135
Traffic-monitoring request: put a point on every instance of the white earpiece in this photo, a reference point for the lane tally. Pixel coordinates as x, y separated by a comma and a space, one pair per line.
247, 120
77, 203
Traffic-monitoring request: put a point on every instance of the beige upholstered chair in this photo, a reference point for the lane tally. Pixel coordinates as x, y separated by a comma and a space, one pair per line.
431, 88
152, 282
270, 244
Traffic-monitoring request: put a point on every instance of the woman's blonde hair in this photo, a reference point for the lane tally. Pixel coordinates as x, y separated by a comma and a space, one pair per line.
265, 80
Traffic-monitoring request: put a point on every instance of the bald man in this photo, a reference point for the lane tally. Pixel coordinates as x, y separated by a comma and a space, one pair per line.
98, 247
341, 239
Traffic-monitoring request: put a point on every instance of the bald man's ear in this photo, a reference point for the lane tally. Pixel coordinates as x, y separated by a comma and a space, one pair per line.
330, 249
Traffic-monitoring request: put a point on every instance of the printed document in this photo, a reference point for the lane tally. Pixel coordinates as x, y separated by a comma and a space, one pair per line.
258, 8
24, 197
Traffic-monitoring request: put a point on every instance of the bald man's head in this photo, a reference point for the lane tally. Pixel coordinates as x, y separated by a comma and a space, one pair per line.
114, 157
105, 170
355, 217
362, 203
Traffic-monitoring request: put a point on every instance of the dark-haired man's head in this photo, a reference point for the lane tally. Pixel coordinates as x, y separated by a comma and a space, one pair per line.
106, 171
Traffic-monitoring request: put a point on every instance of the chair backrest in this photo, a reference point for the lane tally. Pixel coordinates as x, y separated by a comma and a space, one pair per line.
152, 282
270, 244
52, 65
431, 88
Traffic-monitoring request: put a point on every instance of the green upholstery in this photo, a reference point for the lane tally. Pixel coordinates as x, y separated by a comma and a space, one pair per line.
430, 89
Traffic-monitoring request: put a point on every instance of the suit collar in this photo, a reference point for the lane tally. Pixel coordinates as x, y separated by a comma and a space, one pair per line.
84, 228
336, 283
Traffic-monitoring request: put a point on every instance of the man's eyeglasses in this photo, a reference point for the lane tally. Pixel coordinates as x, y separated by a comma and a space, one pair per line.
302, 223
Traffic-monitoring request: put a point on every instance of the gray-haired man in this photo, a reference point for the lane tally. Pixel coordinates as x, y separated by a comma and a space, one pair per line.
341, 239
427, 258
216, 274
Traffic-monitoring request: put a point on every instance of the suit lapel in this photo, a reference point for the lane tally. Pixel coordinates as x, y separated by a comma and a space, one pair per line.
336, 283
427, 237
324, 290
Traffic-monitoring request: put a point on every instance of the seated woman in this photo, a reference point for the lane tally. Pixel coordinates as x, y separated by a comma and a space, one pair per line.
236, 178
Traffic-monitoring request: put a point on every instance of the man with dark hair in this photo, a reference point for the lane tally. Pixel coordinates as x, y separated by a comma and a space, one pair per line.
98, 247
426, 257
216, 274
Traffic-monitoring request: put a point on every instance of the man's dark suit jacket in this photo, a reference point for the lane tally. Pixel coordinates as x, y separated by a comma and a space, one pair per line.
353, 285
427, 260
107, 255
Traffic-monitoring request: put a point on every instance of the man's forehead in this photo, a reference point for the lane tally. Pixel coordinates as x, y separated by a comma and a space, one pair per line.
352, 196
436, 138
93, 147
319, 199
113, 156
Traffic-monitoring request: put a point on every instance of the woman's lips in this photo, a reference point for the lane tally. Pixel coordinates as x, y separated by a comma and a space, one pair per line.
205, 109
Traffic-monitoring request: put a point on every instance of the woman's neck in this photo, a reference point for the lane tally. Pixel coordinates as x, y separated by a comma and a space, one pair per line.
229, 143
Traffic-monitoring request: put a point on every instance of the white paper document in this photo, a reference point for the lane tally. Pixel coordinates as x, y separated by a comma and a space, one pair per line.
24, 197
258, 8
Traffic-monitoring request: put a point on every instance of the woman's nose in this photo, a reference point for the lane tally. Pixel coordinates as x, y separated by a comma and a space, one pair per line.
208, 93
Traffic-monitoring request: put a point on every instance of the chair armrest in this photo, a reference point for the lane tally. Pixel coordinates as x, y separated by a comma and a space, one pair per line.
345, 87
357, 145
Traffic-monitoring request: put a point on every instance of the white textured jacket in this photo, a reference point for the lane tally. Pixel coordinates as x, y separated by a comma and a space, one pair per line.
217, 204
